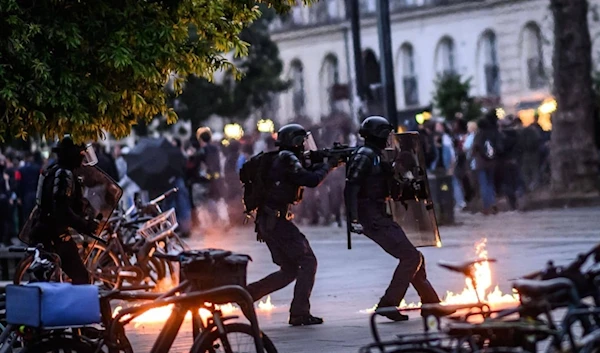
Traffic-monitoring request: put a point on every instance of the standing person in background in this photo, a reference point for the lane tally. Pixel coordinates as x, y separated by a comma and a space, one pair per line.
531, 141
508, 162
232, 179
486, 151
29, 174
446, 162
106, 162
5, 205
181, 200
120, 162
470, 160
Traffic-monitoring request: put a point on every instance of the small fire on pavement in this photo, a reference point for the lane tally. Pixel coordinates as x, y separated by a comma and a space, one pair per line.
160, 315
483, 275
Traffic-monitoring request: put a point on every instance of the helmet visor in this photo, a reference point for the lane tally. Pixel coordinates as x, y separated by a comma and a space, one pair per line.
309, 143
89, 156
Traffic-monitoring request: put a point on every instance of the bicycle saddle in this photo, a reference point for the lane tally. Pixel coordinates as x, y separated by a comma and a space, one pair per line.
534, 288
465, 268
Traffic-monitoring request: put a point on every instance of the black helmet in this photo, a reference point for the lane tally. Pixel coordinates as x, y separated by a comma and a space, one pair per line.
291, 136
375, 127
73, 155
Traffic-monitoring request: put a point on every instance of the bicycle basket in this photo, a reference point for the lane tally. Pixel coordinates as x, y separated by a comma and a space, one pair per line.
212, 268
160, 226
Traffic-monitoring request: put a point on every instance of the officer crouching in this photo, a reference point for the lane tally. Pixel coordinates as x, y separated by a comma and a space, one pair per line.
369, 182
289, 248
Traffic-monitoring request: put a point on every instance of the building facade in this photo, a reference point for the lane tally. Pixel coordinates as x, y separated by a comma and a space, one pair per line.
504, 46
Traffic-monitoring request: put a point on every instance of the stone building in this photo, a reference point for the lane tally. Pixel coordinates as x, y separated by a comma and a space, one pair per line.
505, 46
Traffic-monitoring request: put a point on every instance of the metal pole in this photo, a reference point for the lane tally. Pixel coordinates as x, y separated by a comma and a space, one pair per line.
352, 11
387, 65
352, 93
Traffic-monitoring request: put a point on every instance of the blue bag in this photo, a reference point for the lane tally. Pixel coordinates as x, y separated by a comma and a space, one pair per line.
48, 305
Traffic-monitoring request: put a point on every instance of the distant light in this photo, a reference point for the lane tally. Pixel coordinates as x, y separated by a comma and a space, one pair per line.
548, 106
225, 142
420, 118
265, 125
233, 131
500, 113
438, 244
401, 129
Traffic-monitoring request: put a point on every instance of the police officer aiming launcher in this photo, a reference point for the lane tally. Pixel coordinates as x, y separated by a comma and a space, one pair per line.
274, 181
370, 183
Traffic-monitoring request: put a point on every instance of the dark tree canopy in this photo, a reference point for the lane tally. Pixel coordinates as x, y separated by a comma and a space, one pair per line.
80, 66
451, 96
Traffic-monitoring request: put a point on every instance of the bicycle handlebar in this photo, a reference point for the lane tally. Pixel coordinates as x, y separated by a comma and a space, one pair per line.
153, 202
21, 249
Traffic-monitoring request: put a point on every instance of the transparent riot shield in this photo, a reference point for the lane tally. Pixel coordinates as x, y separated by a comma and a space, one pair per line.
413, 210
102, 194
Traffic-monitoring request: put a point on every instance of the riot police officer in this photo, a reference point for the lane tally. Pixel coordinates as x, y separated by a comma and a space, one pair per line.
368, 186
289, 248
62, 206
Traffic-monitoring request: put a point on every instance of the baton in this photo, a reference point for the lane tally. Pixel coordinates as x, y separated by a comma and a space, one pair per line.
348, 233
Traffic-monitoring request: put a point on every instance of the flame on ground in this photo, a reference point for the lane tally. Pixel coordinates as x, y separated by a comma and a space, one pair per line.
266, 305
483, 277
160, 315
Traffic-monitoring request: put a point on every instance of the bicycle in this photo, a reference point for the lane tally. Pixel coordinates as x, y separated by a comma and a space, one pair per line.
209, 337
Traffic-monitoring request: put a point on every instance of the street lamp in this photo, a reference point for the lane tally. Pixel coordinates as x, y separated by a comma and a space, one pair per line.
233, 131
265, 125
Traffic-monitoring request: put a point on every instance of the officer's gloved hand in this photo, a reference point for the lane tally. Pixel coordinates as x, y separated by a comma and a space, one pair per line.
92, 226
356, 227
333, 162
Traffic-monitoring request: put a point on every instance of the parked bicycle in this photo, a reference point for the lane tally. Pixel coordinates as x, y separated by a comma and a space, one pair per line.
209, 276
526, 328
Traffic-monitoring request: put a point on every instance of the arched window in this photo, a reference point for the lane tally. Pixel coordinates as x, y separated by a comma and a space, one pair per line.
372, 74
297, 80
488, 67
329, 77
445, 56
533, 56
409, 75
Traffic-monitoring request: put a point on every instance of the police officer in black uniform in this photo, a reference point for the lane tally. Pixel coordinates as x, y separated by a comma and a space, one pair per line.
288, 246
62, 206
369, 182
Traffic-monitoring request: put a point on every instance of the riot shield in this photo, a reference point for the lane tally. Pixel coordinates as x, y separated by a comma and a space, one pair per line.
102, 194
414, 209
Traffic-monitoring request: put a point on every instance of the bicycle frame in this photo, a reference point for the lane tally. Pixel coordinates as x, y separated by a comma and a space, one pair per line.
184, 303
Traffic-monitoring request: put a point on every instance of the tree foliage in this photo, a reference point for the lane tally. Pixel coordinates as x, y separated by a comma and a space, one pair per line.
79, 66
451, 97
237, 99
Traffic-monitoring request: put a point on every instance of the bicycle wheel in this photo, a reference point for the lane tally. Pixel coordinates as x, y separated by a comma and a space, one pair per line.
102, 264
239, 336
59, 344
22, 277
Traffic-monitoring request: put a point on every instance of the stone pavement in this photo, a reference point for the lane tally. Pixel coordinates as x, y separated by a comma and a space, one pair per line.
349, 281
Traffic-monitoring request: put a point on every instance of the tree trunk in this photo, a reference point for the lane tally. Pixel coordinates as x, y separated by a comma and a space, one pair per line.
573, 156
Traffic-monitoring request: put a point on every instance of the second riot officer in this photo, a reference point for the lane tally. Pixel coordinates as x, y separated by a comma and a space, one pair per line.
289, 248
368, 186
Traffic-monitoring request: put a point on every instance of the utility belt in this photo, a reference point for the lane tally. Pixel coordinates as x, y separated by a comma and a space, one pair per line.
285, 213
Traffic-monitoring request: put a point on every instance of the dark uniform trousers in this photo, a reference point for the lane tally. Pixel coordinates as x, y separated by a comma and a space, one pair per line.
381, 228
292, 253
66, 248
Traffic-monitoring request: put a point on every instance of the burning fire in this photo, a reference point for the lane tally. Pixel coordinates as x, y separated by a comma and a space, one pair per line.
483, 277
160, 315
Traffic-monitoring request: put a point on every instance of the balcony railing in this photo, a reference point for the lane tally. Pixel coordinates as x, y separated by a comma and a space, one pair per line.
492, 80
536, 73
411, 91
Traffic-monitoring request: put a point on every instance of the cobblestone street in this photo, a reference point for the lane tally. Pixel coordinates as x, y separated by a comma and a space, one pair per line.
349, 282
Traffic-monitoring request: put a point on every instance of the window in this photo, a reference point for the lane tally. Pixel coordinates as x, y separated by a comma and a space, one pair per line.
533, 56
445, 56
409, 75
489, 58
297, 78
329, 77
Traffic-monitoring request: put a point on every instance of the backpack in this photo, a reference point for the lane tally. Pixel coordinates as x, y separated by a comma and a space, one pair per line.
493, 146
253, 175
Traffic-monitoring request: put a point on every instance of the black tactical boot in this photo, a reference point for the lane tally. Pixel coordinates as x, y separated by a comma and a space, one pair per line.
390, 311
305, 320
